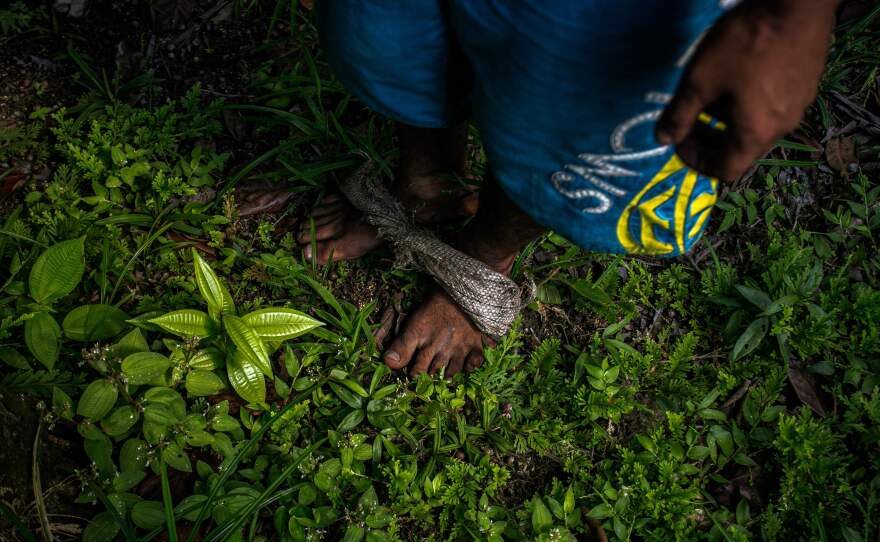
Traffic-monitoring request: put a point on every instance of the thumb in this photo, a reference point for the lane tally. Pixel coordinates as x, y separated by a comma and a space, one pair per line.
681, 114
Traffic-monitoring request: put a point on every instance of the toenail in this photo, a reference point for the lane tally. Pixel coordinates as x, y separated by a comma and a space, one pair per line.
392, 356
308, 252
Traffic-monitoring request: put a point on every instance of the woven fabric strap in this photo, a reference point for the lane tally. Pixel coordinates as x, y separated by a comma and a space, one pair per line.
490, 299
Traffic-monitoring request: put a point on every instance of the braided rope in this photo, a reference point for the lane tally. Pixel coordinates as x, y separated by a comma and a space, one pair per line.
490, 299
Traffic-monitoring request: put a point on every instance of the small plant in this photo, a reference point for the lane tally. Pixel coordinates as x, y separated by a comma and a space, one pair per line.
241, 344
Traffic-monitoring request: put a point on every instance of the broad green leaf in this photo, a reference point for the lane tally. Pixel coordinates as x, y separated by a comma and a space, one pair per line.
62, 404
186, 323
188, 507
134, 455
354, 533
568, 503
600, 511
148, 514
89, 323
10, 356
541, 518
97, 400
132, 342
246, 379
352, 420
142, 367
120, 420
100, 451
755, 297
42, 334
201, 383
206, 359
750, 339
224, 422
213, 291
126, 480
249, 345
175, 457
57, 271
279, 324
101, 528
169, 398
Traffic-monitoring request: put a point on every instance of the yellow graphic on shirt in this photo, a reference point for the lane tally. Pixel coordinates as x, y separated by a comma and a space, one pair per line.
659, 235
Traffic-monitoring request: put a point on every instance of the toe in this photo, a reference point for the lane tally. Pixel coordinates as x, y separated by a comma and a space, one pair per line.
325, 209
468, 205
455, 365
399, 354
474, 360
422, 361
323, 232
440, 362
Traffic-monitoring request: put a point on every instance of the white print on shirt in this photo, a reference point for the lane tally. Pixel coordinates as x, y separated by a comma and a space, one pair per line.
599, 169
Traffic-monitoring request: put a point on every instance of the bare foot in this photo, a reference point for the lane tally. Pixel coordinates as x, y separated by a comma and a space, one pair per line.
437, 336
342, 234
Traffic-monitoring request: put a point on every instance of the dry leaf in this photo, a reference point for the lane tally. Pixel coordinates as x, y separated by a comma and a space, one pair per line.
840, 152
805, 386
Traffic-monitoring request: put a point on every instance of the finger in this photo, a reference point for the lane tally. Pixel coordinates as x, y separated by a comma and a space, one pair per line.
725, 154
400, 352
680, 116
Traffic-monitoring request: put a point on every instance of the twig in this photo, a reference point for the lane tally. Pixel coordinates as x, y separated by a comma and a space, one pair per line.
45, 528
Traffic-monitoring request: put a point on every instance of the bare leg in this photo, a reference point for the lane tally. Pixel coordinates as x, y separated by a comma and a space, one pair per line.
425, 184
438, 334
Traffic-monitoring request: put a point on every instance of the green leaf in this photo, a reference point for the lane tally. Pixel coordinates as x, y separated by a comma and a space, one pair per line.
101, 528
352, 420
600, 511
200, 383
568, 503
10, 356
280, 324
247, 380
206, 359
62, 404
250, 347
134, 455
750, 339
354, 533
755, 297
132, 342
143, 367
89, 323
97, 400
124, 481
186, 323
148, 514
100, 452
175, 457
213, 291
120, 420
542, 520
42, 334
57, 271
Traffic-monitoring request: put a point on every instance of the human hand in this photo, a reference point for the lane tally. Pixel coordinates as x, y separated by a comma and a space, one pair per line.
756, 71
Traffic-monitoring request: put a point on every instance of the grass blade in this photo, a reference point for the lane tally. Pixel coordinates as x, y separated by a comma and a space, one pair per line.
168, 504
